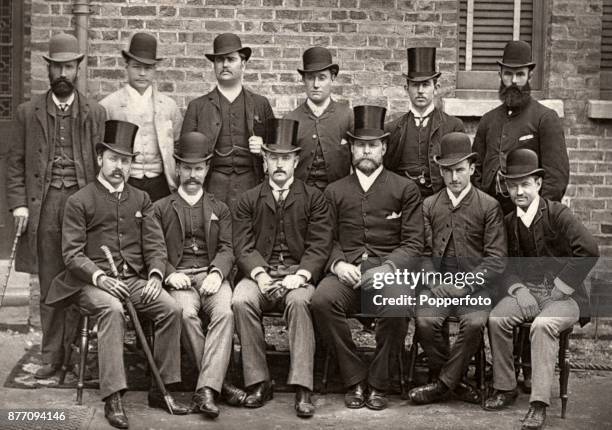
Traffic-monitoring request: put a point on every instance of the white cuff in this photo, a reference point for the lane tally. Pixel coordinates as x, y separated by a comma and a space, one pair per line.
152, 272
563, 287
214, 269
256, 271
514, 288
305, 273
95, 276
332, 268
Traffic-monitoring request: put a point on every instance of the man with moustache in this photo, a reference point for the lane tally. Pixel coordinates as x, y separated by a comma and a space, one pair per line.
325, 155
234, 119
378, 226
157, 116
282, 239
51, 159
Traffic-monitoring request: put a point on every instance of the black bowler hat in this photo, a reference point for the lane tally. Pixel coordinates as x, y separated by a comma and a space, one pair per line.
454, 148
316, 59
517, 53
118, 137
369, 123
143, 48
421, 64
227, 43
194, 147
281, 136
521, 162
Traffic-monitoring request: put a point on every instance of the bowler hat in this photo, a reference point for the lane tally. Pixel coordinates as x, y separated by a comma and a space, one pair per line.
421, 64
143, 48
118, 137
281, 136
454, 148
316, 59
521, 162
227, 43
63, 48
369, 123
517, 53
194, 147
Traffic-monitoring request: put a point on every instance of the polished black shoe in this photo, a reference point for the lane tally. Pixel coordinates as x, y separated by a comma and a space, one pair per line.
429, 393
304, 408
231, 395
536, 417
500, 400
465, 392
114, 413
204, 399
156, 400
355, 397
259, 395
376, 400
47, 371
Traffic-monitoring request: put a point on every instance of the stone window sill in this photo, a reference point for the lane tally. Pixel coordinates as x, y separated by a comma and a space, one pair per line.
478, 107
599, 109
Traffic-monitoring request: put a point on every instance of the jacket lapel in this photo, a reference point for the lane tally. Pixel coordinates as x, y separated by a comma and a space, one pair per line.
40, 112
268, 197
291, 194
436, 120
249, 109
178, 214
209, 235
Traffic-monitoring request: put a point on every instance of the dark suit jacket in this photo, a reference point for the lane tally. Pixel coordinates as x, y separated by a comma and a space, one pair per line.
308, 228
218, 231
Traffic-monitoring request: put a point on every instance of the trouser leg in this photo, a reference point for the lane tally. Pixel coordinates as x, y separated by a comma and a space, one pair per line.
390, 335
301, 336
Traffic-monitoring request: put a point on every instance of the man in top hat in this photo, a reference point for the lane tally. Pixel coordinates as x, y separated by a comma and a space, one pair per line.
157, 116
414, 138
282, 239
519, 122
198, 234
378, 226
325, 155
464, 238
551, 254
232, 117
115, 214
51, 159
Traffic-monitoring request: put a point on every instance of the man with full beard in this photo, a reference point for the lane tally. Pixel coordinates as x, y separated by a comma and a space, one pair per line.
520, 122
52, 158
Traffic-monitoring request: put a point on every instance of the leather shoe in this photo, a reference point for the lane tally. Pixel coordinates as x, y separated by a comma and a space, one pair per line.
355, 396
465, 392
114, 413
259, 395
500, 400
233, 396
303, 403
204, 399
47, 371
156, 400
429, 393
376, 400
536, 417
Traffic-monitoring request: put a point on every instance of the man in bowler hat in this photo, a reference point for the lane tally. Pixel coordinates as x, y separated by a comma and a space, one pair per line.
282, 239
51, 159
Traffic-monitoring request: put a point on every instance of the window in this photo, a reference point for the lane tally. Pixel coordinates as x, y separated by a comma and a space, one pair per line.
606, 51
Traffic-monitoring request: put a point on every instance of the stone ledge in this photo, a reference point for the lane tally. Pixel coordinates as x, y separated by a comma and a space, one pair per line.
599, 109
478, 107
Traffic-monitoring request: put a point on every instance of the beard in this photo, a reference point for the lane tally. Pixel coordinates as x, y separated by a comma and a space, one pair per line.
61, 86
514, 96
367, 165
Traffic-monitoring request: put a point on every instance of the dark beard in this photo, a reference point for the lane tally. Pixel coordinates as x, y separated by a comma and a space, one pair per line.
514, 96
62, 87
367, 168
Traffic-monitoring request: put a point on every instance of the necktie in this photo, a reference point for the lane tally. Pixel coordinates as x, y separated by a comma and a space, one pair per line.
281, 197
117, 194
63, 107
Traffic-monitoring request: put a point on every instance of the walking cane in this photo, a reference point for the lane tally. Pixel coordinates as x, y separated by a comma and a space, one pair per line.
140, 334
11, 259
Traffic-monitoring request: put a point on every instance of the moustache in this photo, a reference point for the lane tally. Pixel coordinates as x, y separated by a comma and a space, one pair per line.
193, 181
279, 171
117, 172
62, 87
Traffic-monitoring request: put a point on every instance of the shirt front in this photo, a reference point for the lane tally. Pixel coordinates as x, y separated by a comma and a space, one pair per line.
63, 105
528, 216
456, 200
318, 110
367, 181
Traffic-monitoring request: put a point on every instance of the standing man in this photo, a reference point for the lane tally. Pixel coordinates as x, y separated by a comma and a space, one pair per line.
282, 239
378, 226
234, 118
415, 137
551, 255
465, 237
53, 157
198, 235
157, 116
519, 122
325, 155
112, 213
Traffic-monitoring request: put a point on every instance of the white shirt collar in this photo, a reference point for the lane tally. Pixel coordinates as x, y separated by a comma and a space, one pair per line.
108, 186
456, 200
424, 118
191, 200
134, 94
67, 102
318, 110
528, 216
276, 188
367, 181
231, 94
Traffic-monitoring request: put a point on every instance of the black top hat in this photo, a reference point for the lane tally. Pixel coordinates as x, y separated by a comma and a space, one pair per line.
521, 162
517, 53
227, 43
118, 137
281, 136
316, 59
63, 48
421, 64
454, 148
369, 123
194, 147
143, 48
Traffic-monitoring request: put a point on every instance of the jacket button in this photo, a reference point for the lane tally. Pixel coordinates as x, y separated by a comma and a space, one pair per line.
314, 136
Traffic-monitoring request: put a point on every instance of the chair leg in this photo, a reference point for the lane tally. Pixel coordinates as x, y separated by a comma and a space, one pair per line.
564, 370
482, 370
400, 358
83, 349
325, 371
149, 331
414, 352
68, 356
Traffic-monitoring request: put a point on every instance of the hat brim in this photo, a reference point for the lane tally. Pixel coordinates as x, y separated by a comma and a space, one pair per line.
273, 150
245, 50
421, 78
101, 146
64, 57
193, 160
334, 68
538, 172
150, 61
447, 162
516, 66
366, 136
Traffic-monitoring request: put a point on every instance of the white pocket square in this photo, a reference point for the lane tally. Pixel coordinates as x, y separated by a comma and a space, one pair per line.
526, 137
394, 215
138, 214
343, 142
213, 217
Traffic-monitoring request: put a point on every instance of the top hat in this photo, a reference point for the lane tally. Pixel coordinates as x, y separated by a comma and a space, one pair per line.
194, 147
281, 136
521, 162
227, 43
118, 137
517, 53
369, 123
63, 48
454, 148
316, 59
421, 64
143, 48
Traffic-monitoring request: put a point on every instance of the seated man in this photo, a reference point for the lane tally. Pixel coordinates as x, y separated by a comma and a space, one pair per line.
112, 213
198, 234
282, 239
379, 226
553, 254
465, 236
